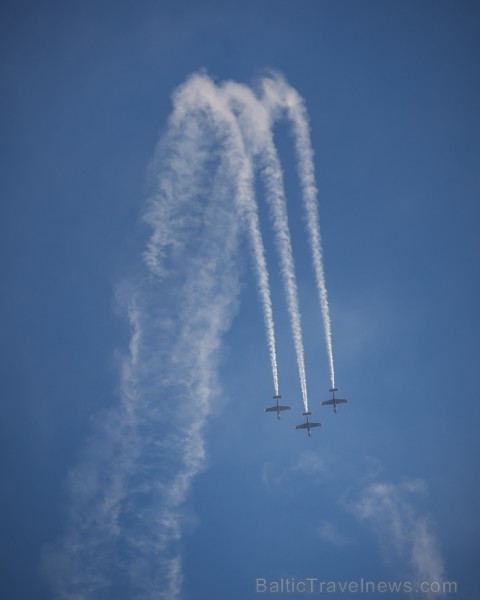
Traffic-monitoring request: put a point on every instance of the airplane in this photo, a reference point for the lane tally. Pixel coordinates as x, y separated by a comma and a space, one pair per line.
277, 408
308, 425
334, 401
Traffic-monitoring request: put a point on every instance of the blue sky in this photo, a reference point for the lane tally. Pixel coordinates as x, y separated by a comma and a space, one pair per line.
392, 92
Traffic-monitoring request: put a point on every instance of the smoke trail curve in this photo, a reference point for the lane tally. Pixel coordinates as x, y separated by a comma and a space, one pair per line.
202, 93
278, 93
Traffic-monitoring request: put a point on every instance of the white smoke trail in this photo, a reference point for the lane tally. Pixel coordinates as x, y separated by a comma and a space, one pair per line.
278, 94
202, 94
192, 100
256, 123
127, 494
264, 290
126, 511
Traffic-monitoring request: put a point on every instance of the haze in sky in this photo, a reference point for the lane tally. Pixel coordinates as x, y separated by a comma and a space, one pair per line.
181, 184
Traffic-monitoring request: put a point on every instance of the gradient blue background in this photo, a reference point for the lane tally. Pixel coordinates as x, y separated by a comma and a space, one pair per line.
392, 90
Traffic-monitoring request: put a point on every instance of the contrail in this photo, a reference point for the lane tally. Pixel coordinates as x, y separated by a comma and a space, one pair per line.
264, 290
126, 514
273, 180
277, 94
203, 94
257, 122
241, 165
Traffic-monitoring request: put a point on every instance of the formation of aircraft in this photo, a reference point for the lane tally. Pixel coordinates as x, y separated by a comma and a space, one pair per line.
308, 425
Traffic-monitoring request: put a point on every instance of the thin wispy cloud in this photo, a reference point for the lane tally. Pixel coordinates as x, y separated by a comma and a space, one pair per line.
406, 535
329, 532
307, 465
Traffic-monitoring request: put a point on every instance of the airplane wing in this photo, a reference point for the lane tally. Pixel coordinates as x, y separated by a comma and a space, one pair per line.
275, 408
315, 425
302, 426
336, 401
